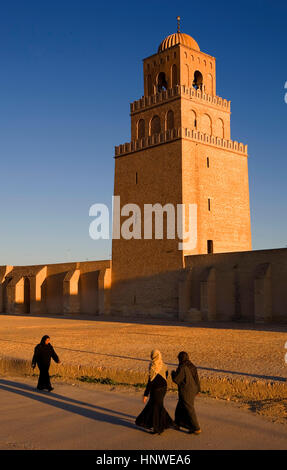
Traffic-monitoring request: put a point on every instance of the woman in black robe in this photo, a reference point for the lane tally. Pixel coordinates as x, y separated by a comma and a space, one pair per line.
42, 357
186, 378
154, 416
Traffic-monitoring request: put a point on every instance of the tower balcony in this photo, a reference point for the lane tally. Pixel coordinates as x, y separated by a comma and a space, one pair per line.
180, 91
180, 133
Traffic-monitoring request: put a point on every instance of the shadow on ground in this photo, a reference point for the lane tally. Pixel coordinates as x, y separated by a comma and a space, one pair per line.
87, 410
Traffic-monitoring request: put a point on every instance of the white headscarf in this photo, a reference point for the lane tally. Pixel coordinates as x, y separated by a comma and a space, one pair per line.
156, 365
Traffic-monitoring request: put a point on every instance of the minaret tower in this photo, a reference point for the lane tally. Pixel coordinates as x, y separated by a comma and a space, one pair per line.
180, 153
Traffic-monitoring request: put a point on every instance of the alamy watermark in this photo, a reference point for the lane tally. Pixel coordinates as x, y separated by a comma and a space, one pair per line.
140, 226
285, 97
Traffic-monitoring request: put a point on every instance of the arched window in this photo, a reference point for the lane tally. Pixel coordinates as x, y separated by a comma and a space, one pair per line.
193, 121
161, 82
209, 84
174, 77
155, 127
197, 80
141, 129
149, 85
169, 120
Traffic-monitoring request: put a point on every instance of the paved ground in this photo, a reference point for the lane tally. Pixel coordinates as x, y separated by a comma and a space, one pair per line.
250, 351
86, 417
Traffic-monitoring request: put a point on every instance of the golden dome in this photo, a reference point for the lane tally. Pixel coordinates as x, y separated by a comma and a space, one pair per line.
178, 38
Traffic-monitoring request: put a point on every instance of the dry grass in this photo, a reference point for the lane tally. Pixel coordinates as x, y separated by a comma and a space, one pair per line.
231, 358
126, 345
263, 397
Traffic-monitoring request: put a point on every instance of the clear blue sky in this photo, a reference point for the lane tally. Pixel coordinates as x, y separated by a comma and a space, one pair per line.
69, 70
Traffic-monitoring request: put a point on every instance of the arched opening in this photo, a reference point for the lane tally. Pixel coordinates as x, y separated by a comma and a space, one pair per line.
161, 82
193, 120
26, 295
174, 76
141, 129
155, 127
170, 120
149, 85
197, 80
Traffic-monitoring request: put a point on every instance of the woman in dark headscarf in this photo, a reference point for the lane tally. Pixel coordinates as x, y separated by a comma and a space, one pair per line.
42, 357
187, 380
154, 416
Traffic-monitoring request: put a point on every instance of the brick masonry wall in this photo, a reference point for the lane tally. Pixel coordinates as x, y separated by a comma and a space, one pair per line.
236, 275
225, 183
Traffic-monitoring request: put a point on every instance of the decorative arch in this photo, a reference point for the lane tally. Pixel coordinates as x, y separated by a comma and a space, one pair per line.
170, 120
219, 128
206, 124
155, 126
141, 129
174, 75
187, 75
209, 84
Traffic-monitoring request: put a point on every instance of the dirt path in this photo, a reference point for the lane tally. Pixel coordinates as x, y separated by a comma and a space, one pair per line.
98, 418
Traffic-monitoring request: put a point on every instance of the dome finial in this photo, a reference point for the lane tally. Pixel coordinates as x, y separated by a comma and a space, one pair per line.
178, 24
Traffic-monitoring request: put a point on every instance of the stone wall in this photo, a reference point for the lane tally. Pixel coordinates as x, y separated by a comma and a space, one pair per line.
82, 287
243, 286
247, 286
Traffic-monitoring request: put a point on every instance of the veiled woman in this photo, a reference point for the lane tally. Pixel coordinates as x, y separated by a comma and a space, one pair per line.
154, 416
186, 378
42, 357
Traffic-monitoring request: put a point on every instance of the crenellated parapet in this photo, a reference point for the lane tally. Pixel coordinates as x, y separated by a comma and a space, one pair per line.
179, 91
151, 140
178, 133
227, 144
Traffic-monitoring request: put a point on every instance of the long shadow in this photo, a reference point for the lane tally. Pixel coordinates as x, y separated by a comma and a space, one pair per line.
231, 420
104, 417
245, 374
62, 397
223, 371
225, 325
82, 351
95, 415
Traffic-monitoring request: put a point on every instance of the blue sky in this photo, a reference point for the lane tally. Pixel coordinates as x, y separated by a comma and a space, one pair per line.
69, 70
